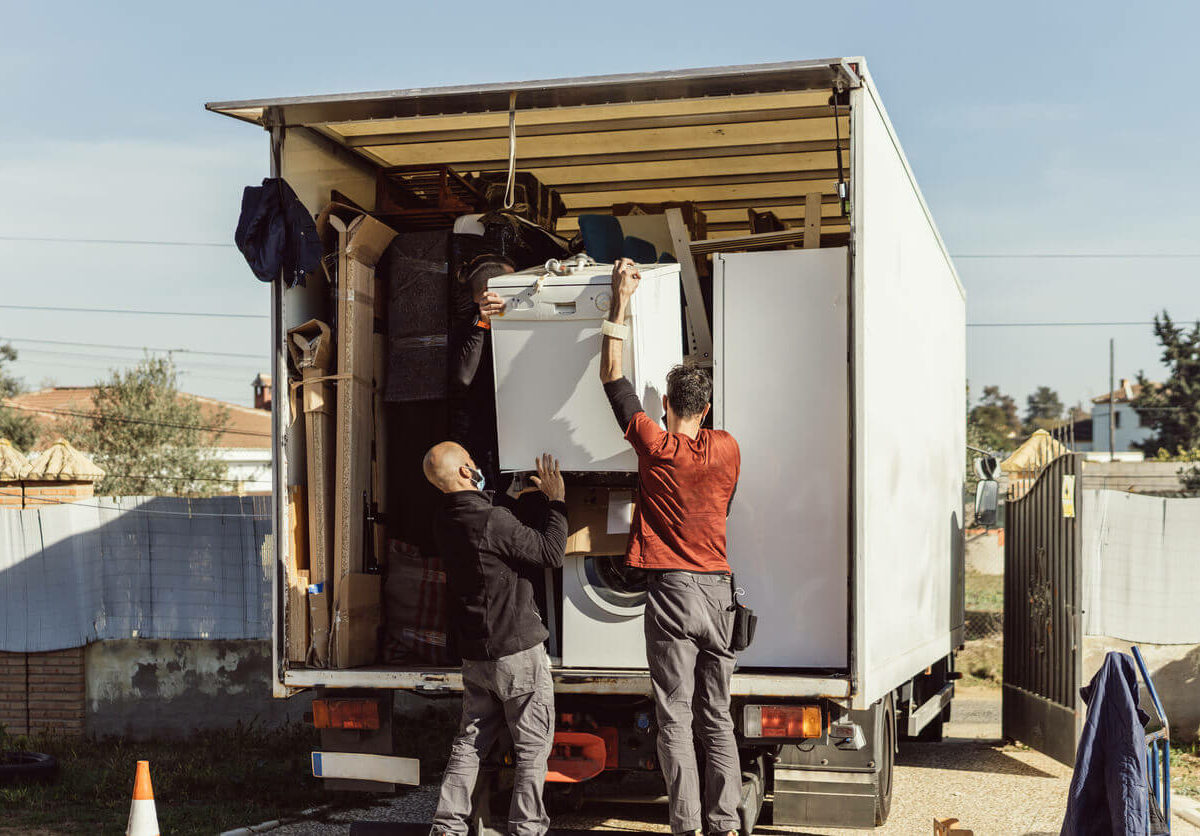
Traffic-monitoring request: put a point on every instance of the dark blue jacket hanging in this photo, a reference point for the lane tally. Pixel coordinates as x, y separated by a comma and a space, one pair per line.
1109, 792
276, 234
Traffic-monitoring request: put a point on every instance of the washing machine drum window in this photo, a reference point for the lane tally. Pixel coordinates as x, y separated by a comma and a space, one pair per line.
609, 581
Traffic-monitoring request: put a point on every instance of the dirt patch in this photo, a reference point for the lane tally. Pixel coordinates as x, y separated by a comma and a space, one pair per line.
982, 662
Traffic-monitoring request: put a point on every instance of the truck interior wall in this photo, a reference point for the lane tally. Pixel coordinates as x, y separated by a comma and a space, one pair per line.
909, 404
314, 167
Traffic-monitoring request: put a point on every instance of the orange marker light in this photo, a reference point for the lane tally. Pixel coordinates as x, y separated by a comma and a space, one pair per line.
784, 721
346, 714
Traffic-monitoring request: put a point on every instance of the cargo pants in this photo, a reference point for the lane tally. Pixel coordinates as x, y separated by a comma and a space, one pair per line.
514, 691
688, 629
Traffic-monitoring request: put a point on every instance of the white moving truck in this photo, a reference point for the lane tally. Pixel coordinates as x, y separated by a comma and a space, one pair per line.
837, 343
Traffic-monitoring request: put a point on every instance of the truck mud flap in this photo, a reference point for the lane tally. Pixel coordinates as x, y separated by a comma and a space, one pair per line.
822, 797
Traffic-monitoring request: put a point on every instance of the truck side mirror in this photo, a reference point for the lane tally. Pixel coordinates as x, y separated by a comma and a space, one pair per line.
987, 502
986, 467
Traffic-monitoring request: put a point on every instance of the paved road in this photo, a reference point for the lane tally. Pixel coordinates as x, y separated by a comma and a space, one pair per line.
990, 788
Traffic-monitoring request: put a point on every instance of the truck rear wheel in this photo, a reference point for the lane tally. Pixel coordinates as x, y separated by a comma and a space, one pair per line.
886, 735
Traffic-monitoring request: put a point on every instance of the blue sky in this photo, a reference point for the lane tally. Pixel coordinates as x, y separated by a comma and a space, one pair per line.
1032, 128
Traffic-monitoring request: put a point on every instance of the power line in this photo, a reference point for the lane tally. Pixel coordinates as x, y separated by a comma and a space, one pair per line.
105, 360
119, 241
118, 419
131, 311
134, 348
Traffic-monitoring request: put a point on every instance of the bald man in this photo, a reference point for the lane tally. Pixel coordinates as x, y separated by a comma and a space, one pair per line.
486, 552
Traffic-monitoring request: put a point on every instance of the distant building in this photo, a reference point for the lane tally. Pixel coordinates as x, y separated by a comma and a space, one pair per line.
245, 446
1128, 427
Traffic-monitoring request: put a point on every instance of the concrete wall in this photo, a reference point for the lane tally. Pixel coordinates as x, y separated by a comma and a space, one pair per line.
1175, 670
144, 688
1136, 477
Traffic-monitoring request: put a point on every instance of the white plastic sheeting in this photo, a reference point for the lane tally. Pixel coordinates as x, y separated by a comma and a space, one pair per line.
133, 567
1141, 567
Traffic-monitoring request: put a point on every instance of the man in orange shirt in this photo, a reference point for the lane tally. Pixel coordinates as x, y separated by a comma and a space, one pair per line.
686, 478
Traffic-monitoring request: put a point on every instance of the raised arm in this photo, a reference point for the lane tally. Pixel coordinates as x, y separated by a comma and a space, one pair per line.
625, 280
467, 341
621, 396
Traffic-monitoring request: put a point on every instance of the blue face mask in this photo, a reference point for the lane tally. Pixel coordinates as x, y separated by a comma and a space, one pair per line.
477, 478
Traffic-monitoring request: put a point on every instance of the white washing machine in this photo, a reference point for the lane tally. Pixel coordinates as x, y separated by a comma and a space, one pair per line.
604, 603
546, 351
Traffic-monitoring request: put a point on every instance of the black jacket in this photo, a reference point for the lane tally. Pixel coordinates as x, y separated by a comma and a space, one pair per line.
485, 550
1109, 793
276, 234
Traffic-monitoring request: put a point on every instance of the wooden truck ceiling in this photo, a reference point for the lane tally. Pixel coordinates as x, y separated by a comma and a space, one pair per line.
730, 139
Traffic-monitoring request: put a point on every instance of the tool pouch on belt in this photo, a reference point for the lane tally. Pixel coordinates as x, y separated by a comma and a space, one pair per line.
744, 620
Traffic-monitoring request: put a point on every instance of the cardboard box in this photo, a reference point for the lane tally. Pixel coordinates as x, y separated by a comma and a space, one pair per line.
297, 637
311, 348
318, 626
357, 614
588, 523
361, 242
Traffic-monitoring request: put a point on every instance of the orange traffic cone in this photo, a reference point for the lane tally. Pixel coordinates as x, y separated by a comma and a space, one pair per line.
143, 819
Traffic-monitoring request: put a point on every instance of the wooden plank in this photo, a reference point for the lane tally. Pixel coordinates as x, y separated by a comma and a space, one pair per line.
545, 116
672, 139
812, 220
694, 298
747, 242
585, 126
721, 152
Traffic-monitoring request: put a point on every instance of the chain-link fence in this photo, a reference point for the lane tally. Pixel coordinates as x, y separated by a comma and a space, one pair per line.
981, 658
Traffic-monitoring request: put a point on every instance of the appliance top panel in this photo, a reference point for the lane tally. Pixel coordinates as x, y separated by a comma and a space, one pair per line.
573, 274
579, 292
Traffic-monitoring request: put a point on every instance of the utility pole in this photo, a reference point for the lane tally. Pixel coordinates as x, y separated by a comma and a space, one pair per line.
1112, 416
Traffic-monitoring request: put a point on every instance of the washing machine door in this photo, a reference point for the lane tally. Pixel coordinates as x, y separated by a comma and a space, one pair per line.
612, 585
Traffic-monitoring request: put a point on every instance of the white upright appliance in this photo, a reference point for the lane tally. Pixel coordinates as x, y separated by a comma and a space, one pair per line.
546, 351
604, 602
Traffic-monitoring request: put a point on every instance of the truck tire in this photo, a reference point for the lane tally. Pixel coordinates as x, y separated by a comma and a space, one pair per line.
753, 793
934, 731
26, 767
886, 735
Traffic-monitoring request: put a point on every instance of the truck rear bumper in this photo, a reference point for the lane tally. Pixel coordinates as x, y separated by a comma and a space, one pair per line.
566, 681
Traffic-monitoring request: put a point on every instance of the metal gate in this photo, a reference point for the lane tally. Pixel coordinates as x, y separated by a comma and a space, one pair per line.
1042, 624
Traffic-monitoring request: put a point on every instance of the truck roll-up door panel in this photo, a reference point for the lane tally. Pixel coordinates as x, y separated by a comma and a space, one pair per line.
780, 375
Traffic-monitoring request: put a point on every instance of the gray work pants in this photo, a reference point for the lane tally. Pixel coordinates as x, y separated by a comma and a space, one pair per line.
515, 691
688, 629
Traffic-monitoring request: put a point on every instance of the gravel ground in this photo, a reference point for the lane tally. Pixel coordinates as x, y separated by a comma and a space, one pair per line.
990, 788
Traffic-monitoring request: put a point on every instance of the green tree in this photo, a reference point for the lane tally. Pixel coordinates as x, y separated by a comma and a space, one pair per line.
18, 427
1042, 409
150, 440
993, 422
1172, 409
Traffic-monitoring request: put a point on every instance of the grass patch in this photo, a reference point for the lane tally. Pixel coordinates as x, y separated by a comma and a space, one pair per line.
982, 662
210, 782
984, 592
1185, 769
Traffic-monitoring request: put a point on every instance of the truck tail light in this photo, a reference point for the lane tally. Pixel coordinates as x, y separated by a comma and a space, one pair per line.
346, 714
787, 721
